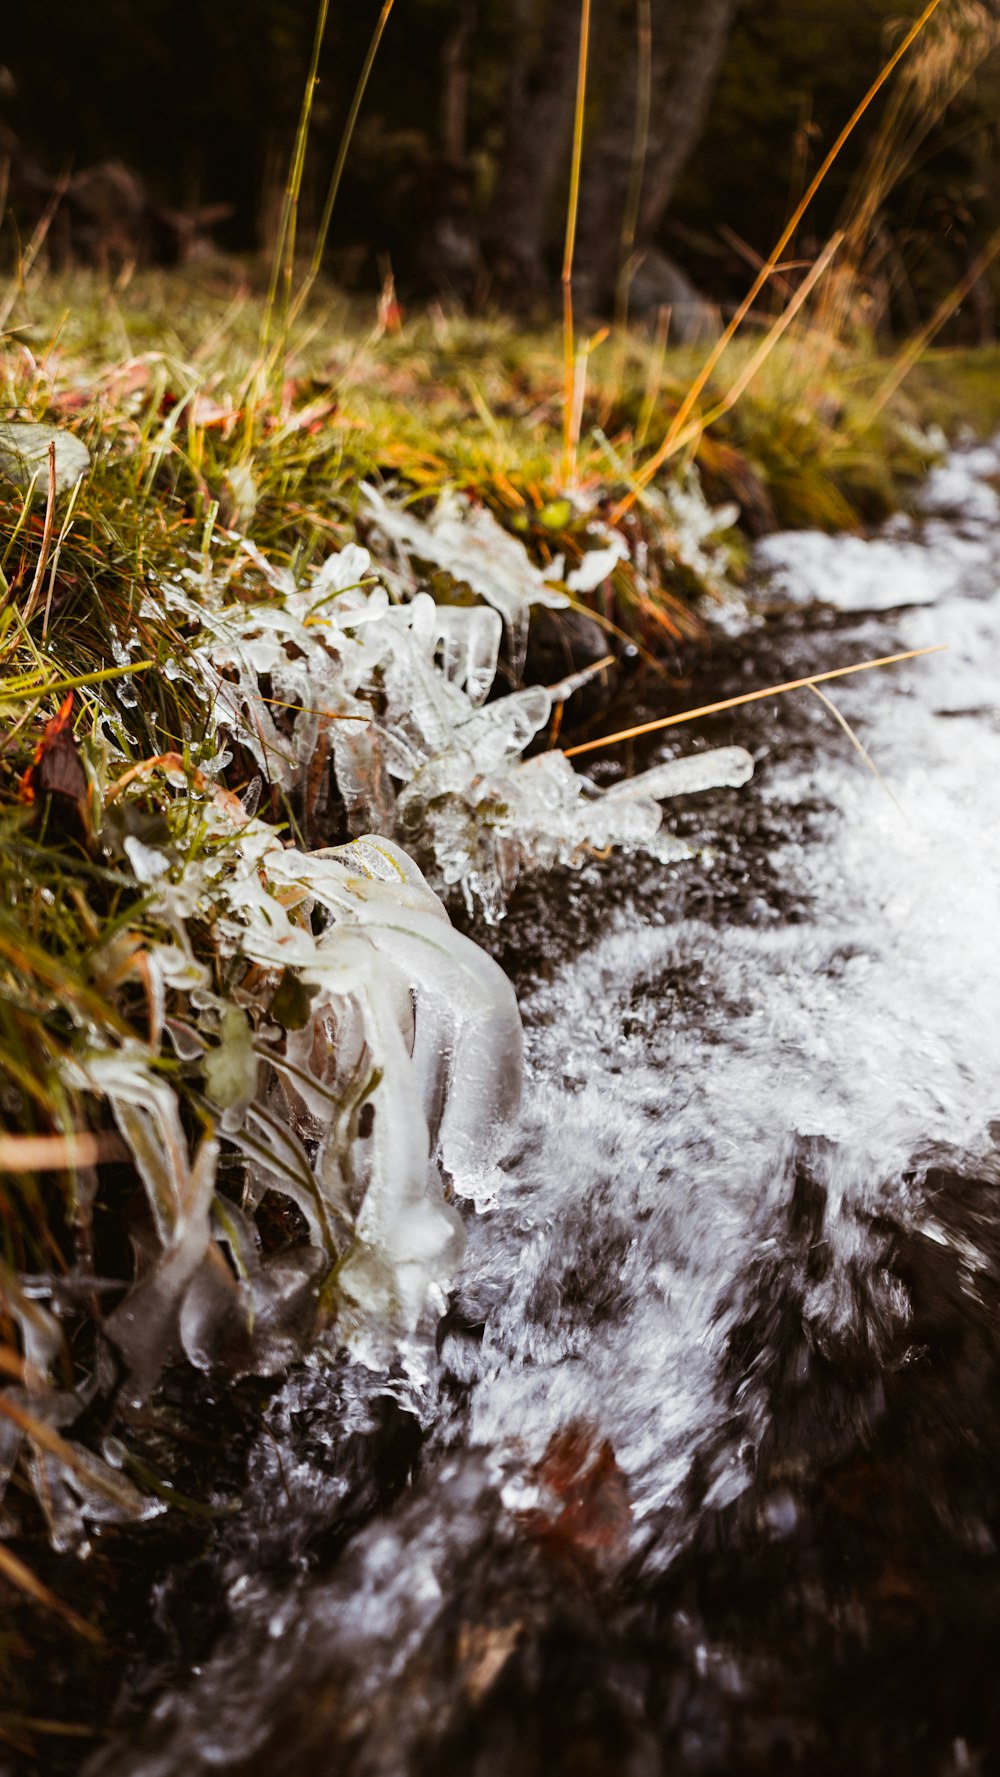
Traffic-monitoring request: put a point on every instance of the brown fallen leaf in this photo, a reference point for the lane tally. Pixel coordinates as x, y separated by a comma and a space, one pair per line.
57, 770
587, 1513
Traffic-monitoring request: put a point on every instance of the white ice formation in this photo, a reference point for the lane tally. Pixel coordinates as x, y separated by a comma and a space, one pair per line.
393, 696
334, 1039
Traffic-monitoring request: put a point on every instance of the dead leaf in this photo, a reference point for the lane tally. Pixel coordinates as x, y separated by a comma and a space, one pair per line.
56, 769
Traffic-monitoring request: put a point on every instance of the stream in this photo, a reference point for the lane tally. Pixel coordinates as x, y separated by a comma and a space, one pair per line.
704, 1472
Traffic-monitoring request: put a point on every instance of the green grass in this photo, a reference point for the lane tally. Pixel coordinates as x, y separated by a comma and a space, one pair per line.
192, 432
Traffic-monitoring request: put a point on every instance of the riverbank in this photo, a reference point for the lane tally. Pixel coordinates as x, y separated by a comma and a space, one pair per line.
719, 1301
181, 954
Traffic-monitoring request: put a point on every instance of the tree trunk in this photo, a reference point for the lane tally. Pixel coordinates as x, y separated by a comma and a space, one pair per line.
534, 165
455, 85
688, 37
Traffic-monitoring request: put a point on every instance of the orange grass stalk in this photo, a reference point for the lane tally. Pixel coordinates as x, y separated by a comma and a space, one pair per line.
15, 1571
731, 703
696, 427
683, 413
570, 423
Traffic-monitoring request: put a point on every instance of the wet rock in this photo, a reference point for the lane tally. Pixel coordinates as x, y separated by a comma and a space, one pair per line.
660, 283
565, 642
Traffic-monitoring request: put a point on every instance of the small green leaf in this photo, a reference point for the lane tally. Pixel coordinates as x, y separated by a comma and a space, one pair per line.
290, 1006
555, 515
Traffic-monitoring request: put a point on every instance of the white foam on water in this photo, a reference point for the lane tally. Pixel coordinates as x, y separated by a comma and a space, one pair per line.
678, 1069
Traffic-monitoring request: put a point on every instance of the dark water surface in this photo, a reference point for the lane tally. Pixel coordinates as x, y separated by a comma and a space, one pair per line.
704, 1473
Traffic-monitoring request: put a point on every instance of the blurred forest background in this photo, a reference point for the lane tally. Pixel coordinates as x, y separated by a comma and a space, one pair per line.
168, 125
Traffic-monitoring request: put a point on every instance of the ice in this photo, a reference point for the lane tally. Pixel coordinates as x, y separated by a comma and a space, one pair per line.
79, 1488
719, 768
41, 1337
395, 692
469, 644
407, 1063
646, 1266
468, 543
332, 1035
598, 563
70, 1482
254, 1322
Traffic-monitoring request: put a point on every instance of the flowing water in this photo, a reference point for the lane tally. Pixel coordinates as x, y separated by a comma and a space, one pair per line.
704, 1473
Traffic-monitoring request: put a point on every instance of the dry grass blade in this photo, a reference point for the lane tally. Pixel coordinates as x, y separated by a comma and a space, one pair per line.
731, 703
687, 406
27, 259
695, 429
283, 263
58, 1153
342, 153
27, 1582
11, 1363
60, 540
37, 1724
570, 424
43, 554
856, 742
915, 347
